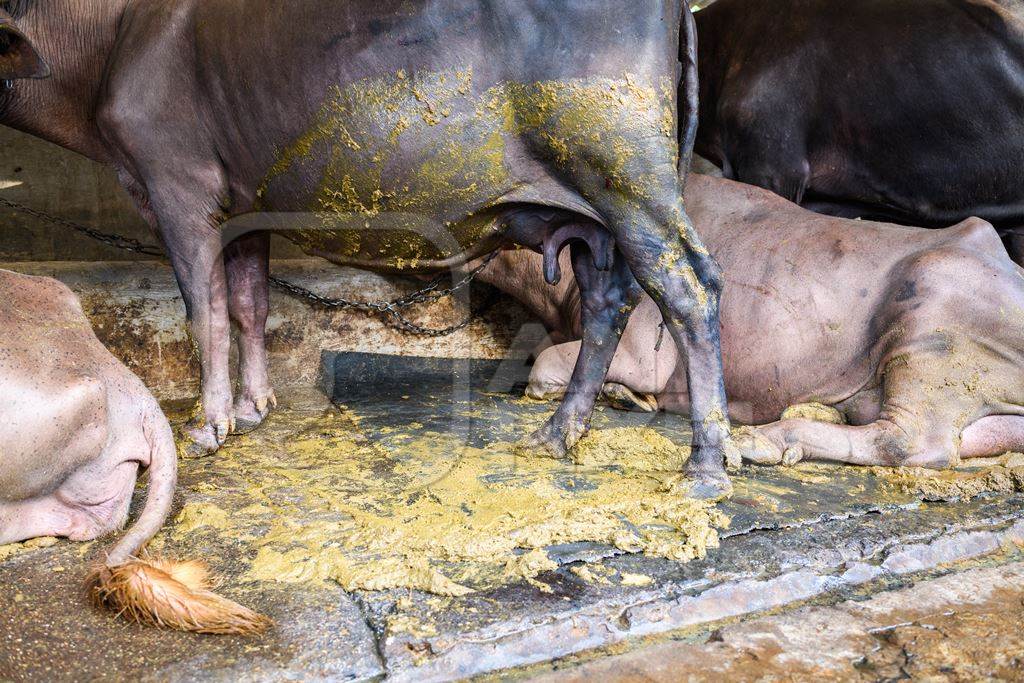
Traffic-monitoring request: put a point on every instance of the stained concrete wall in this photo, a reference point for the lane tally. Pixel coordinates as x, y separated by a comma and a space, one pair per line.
52, 179
63, 183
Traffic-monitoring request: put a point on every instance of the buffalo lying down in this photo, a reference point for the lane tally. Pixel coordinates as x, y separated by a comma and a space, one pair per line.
903, 110
913, 335
75, 427
423, 134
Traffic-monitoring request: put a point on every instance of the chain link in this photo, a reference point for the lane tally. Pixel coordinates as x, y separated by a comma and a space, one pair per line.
126, 243
389, 311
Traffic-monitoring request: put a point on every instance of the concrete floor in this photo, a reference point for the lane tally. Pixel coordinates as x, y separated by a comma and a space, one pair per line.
811, 533
962, 627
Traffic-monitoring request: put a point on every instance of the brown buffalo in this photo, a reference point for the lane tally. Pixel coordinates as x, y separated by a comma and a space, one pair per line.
399, 136
912, 335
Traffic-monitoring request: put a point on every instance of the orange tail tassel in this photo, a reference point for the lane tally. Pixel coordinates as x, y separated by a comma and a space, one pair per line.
171, 594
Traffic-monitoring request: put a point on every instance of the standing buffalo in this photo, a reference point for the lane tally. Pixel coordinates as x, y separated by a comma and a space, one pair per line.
912, 335
902, 110
414, 136
75, 427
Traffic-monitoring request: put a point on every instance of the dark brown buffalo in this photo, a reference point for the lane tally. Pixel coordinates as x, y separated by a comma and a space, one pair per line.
902, 110
423, 134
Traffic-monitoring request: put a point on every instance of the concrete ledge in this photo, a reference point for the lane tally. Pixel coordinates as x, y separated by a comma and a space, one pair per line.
961, 626
137, 311
769, 584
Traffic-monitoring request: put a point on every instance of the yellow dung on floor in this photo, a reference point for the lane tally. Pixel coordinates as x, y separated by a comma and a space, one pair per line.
431, 514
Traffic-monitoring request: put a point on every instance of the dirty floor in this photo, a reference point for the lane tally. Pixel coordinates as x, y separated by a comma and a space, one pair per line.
399, 531
963, 627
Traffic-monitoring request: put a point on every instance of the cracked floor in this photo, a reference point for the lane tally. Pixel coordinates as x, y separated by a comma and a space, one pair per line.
963, 627
793, 534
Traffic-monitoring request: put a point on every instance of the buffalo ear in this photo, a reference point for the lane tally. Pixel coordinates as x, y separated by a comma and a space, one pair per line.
18, 59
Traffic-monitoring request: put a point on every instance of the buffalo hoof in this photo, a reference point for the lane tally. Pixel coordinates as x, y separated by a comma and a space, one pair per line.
755, 447
198, 440
705, 477
710, 487
621, 397
553, 439
792, 455
706, 486
251, 412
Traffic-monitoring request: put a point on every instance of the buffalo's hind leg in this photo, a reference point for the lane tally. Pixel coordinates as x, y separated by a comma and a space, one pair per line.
246, 262
670, 262
918, 424
607, 298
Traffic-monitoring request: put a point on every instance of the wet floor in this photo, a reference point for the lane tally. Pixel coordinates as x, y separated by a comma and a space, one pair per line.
380, 530
966, 627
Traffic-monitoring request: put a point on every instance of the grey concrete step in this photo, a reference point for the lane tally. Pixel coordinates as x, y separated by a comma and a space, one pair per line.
964, 626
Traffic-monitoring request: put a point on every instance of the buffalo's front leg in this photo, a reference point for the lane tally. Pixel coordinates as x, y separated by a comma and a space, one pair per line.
246, 262
199, 268
190, 229
607, 298
174, 172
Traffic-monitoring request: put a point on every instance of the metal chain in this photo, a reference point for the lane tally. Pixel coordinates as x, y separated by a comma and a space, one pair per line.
389, 311
126, 243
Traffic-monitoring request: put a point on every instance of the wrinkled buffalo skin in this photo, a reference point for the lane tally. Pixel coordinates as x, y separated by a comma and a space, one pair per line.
913, 335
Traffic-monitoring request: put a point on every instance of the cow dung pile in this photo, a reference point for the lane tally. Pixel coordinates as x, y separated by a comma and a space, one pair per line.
316, 501
631, 448
13, 549
957, 484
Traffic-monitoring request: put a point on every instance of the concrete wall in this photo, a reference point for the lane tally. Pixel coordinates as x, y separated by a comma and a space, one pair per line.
49, 178
54, 180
